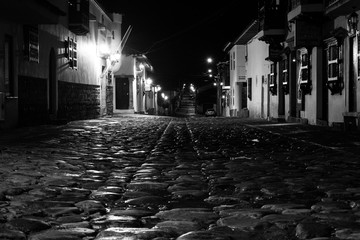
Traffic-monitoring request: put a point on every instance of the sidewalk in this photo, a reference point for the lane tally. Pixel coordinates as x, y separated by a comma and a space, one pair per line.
339, 140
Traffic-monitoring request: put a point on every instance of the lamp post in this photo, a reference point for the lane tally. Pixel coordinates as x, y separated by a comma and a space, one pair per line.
353, 20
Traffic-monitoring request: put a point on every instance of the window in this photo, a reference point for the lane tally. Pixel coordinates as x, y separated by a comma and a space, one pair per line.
305, 85
272, 75
31, 43
8, 73
272, 83
335, 62
304, 68
285, 75
233, 97
74, 56
249, 87
71, 53
333, 54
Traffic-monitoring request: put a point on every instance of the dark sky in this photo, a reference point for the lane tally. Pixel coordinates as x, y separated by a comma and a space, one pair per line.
178, 36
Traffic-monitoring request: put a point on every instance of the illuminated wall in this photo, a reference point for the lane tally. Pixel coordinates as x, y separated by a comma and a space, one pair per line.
257, 70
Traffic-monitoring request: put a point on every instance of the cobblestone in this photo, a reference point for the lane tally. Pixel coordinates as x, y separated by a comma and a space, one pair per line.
179, 178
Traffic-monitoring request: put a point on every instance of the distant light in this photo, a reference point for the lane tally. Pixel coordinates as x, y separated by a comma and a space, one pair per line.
210, 75
209, 60
149, 81
210, 70
215, 84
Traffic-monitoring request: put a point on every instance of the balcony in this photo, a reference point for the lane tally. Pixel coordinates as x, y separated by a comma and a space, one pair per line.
299, 8
79, 16
272, 21
335, 8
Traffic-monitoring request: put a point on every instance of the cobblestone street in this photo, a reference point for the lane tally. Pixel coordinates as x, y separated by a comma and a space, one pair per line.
168, 178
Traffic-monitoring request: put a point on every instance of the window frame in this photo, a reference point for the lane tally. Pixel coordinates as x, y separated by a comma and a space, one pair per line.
272, 78
332, 61
284, 71
9, 66
72, 53
304, 67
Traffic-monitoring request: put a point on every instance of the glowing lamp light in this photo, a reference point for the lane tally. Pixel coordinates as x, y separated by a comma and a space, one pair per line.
149, 81
210, 71
141, 66
209, 60
166, 97
157, 88
104, 49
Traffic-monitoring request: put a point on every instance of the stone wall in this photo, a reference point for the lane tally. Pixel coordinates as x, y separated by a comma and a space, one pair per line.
78, 101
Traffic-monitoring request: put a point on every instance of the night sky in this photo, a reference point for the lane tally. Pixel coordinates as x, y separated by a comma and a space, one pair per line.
178, 36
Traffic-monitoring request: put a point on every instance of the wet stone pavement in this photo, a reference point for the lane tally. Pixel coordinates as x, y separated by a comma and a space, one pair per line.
175, 178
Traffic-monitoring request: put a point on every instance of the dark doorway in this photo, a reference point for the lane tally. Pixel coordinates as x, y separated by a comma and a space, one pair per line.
52, 82
122, 100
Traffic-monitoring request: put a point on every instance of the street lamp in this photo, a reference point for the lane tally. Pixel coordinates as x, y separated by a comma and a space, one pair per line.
209, 60
353, 20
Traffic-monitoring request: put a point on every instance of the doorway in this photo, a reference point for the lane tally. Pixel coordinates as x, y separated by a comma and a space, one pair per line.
122, 99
